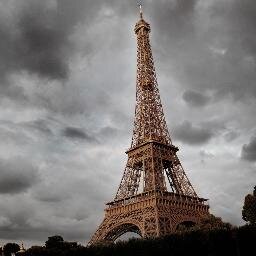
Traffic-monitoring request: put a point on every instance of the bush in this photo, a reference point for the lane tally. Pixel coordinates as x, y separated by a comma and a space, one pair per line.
204, 242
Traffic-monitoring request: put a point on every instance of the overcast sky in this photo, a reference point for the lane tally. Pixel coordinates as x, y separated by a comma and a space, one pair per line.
67, 98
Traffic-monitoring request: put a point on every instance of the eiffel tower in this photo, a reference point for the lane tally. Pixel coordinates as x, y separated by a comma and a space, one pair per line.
155, 195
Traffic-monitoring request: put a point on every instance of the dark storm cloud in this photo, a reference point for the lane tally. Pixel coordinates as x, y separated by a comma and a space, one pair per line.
39, 46
176, 19
108, 132
236, 34
17, 175
231, 135
249, 150
50, 194
43, 47
210, 45
195, 99
40, 125
38, 39
192, 135
77, 133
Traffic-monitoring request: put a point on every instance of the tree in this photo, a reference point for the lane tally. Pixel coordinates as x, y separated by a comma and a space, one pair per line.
10, 248
249, 208
54, 242
212, 222
36, 251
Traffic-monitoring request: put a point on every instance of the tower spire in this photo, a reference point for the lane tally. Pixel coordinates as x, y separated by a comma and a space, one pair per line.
149, 123
141, 12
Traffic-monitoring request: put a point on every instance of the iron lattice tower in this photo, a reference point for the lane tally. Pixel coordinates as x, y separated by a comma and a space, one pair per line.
154, 195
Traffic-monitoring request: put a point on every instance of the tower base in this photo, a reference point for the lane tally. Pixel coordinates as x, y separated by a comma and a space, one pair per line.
149, 214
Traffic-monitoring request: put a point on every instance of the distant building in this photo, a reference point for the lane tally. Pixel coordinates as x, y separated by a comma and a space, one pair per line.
21, 251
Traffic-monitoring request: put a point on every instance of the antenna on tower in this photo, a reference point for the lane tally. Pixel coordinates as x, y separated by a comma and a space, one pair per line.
140, 6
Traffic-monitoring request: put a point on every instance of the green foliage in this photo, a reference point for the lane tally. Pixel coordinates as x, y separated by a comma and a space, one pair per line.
54, 242
37, 250
246, 237
199, 242
212, 222
10, 248
249, 208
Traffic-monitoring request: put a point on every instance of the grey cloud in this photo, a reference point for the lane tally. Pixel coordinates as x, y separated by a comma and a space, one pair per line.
238, 37
249, 150
108, 131
176, 19
206, 154
49, 198
195, 99
48, 42
202, 45
76, 133
17, 175
50, 194
23, 226
40, 125
215, 125
38, 39
111, 134
45, 47
231, 135
53, 206
193, 135
25, 134
39, 46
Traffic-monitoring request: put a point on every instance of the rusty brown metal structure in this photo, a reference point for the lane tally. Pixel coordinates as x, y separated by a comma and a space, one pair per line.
155, 195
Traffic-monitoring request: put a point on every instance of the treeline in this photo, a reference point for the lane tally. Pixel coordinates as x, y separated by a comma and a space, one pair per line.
211, 237
213, 242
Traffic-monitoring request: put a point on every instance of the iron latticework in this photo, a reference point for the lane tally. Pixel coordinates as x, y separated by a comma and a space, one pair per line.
154, 195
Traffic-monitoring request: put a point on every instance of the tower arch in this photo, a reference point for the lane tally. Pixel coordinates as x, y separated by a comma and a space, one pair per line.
186, 222
121, 229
